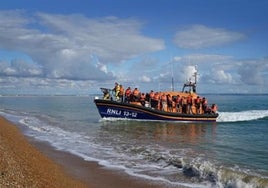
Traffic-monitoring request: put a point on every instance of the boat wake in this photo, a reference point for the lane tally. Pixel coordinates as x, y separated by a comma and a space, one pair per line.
242, 116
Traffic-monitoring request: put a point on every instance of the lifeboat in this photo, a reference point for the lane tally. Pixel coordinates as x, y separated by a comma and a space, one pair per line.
182, 106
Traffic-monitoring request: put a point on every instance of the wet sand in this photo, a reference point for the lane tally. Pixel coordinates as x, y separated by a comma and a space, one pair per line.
25, 162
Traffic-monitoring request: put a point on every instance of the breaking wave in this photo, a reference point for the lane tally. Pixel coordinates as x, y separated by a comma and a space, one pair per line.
211, 175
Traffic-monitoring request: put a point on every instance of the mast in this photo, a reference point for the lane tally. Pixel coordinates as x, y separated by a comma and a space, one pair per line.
195, 75
195, 79
172, 75
172, 84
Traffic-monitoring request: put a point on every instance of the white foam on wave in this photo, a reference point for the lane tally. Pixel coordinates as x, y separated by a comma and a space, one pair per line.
230, 177
242, 116
11, 115
73, 142
165, 181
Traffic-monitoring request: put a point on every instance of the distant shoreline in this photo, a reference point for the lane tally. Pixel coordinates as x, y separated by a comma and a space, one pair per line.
100, 94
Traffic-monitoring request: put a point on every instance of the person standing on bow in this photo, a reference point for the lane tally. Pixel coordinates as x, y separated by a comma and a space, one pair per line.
121, 93
116, 90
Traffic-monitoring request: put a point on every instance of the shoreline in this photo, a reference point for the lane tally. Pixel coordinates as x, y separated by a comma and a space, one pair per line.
28, 162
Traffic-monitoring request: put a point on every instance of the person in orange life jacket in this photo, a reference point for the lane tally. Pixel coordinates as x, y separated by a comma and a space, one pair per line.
151, 97
169, 103
127, 94
178, 102
151, 94
207, 110
184, 105
189, 104
163, 99
147, 97
121, 93
136, 94
198, 104
204, 104
214, 108
156, 100
142, 99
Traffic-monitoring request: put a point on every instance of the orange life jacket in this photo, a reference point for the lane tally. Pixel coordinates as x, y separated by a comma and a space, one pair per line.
178, 100
156, 96
136, 92
121, 92
214, 108
189, 100
198, 100
163, 98
128, 92
152, 95
142, 98
184, 100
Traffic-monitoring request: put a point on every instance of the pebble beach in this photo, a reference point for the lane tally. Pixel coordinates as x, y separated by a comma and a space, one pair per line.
28, 163
22, 165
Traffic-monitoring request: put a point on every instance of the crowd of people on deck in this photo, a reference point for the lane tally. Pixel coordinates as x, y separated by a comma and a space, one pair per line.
163, 101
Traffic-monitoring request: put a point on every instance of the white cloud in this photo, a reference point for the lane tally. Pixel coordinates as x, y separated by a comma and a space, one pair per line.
20, 68
202, 59
187, 73
253, 72
111, 39
219, 77
62, 42
145, 78
243, 74
204, 63
61, 46
200, 36
102, 67
221, 71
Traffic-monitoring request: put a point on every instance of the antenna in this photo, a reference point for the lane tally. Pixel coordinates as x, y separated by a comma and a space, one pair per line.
195, 79
172, 74
195, 74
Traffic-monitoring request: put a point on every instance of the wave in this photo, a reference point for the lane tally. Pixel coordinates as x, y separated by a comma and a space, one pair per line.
224, 177
242, 116
212, 175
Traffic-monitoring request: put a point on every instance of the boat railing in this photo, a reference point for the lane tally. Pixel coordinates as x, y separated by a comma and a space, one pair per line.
189, 87
108, 94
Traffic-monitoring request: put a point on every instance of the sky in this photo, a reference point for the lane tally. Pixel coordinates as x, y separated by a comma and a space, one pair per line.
78, 46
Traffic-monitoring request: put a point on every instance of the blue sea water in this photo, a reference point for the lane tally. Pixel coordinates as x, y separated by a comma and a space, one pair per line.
232, 152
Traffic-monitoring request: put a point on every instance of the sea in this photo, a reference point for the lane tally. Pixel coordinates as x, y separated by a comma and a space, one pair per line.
231, 153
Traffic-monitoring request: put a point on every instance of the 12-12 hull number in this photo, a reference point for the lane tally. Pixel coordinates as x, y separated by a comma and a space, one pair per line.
121, 113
